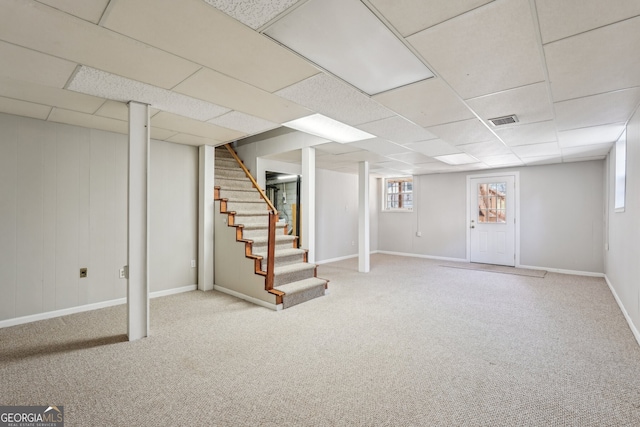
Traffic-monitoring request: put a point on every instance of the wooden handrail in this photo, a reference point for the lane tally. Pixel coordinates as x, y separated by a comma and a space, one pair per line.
253, 181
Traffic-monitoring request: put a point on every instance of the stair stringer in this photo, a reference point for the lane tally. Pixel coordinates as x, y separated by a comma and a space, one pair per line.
234, 271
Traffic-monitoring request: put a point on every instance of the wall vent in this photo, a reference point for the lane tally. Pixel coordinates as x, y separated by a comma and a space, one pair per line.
506, 120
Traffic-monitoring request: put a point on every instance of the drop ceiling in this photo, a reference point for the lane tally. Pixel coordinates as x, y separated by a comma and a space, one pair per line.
569, 70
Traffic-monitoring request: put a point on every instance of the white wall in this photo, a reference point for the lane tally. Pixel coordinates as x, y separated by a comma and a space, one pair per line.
63, 206
622, 260
561, 217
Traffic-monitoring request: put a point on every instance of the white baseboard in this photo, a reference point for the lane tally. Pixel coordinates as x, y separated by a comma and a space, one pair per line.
562, 271
633, 328
342, 258
439, 258
173, 291
87, 307
276, 307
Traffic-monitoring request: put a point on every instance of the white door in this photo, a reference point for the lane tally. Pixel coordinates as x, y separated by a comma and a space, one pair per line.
492, 220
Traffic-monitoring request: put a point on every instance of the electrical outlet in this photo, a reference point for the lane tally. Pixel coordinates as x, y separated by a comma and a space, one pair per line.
419, 233
353, 243
193, 263
123, 272
83, 272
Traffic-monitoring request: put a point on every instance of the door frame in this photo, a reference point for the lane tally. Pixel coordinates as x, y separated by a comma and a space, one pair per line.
516, 175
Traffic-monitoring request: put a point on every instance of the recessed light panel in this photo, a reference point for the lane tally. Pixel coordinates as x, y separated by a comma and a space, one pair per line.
110, 86
347, 39
325, 127
457, 159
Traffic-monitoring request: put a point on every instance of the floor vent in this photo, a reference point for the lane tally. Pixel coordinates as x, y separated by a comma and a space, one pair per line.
506, 120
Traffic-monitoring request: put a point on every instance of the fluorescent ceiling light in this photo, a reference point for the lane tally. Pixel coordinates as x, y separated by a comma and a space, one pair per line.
457, 159
287, 177
110, 86
345, 38
325, 127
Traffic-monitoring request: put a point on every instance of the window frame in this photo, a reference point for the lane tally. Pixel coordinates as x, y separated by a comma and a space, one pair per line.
385, 193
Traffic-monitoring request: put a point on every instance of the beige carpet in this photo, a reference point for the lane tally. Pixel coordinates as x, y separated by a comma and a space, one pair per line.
408, 344
496, 269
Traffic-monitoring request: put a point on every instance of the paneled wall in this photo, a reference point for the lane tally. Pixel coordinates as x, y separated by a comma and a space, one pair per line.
63, 206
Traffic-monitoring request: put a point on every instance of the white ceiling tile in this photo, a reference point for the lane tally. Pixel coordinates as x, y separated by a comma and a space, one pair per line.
537, 150
40, 27
244, 123
503, 160
411, 16
595, 150
118, 110
187, 139
254, 13
223, 90
434, 147
435, 167
611, 107
426, 103
23, 108
471, 167
464, 132
396, 165
75, 118
591, 135
89, 10
337, 148
397, 129
532, 133
336, 99
188, 126
19, 63
560, 19
487, 148
362, 156
379, 146
529, 103
542, 160
211, 38
487, 50
48, 95
595, 62
413, 158
110, 86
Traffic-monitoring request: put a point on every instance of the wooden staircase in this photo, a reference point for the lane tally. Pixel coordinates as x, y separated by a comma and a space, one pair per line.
280, 275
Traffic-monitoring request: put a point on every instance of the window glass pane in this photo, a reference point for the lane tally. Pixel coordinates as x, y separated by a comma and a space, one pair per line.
482, 215
502, 216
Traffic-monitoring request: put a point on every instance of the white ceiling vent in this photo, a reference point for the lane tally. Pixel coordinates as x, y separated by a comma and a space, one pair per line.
506, 120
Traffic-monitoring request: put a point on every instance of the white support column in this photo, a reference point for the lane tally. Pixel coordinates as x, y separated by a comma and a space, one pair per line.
363, 218
138, 222
309, 201
205, 218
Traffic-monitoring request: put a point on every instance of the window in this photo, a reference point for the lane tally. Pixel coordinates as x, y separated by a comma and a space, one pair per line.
398, 194
621, 172
492, 202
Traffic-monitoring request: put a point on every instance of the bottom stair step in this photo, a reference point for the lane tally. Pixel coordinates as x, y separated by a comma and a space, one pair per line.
301, 291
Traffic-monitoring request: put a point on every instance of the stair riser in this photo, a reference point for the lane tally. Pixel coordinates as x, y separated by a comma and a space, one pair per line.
282, 279
244, 195
230, 173
263, 232
262, 246
226, 163
225, 183
260, 206
284, 260
300, 297
251, 219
